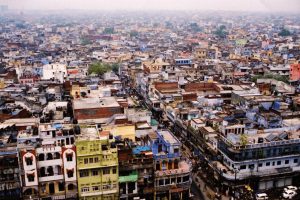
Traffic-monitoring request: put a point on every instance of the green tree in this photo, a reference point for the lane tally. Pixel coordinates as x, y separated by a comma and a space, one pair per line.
115, 68
244, 139
133, 33
221, 31
109, 30
195, 28
284, 32
85, 41
99, 68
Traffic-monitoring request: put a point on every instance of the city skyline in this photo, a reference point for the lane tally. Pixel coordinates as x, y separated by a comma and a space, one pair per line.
225, 5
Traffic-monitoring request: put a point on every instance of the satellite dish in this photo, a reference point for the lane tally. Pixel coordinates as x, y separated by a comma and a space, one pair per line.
253, 84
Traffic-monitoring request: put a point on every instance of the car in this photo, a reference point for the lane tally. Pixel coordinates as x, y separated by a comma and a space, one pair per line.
289, 194
261, 196
290, 187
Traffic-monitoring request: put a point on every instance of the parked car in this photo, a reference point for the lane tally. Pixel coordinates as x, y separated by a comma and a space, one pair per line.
289, 194
290, 187
261, 196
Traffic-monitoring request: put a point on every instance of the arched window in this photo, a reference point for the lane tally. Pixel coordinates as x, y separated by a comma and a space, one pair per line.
49, 156
57, 155
71, 187
41, 157
170, 164
50, 171
42, 172
176, 164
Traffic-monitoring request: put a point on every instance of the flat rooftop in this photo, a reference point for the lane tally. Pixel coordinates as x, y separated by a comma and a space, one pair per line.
168, 136
86, 103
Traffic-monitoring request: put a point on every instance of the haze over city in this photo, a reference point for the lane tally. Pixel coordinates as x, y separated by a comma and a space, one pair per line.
149, 99
227, 5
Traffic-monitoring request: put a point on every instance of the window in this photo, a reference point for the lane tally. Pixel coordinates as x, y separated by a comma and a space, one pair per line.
243, 167
273, 163
30, 177
95, 188
96, 160
161, 182
187, 178
71, 187
85, 189
267, 163
286, 162
178, 179
167, 181
28, 161
260, 164
251, 166
86, 161
279, 162
91, 160
114, 170
83, 173
61, 186
173, 180
106, 171
95, 172
70, 173
69, 157
296, 160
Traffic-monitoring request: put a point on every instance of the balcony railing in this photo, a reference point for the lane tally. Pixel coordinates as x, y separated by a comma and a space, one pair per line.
261, 145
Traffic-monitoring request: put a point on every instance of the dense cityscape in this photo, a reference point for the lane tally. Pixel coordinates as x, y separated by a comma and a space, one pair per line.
149, 105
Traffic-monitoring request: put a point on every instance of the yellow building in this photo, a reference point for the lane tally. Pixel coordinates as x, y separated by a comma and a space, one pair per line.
97, 165
2, 84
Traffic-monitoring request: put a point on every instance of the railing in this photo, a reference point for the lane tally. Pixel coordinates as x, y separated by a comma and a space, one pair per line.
239, 175
260, 145
169, 155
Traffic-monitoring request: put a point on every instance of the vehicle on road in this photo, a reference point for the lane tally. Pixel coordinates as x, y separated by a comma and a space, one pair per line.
289, 194
261, 196
290, 187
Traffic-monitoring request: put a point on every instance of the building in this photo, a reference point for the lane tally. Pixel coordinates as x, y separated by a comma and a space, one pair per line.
9, 173
172, 175
97, 165
266, 159
295, 72
136, 178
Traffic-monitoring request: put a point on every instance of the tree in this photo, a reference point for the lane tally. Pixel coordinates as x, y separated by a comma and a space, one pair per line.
85, 41
195, 28
115, 68
133, 33
109, 30
221, 31
284, 32
244, 139
99, 68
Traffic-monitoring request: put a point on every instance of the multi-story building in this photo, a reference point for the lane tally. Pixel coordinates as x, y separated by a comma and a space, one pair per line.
9, 173
266, 159
97, 165
47, 161
172, 174
136, 178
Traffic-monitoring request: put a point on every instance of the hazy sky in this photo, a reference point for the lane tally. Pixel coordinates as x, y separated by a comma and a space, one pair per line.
229, 5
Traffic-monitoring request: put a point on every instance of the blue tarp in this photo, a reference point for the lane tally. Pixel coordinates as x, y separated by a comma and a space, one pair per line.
139, 149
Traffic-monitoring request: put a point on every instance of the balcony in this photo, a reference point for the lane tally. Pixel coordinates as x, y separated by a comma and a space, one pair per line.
164, 156
260, 145
51, 178
47, 163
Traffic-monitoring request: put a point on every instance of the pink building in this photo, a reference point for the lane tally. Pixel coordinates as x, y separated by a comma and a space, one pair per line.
295, 72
